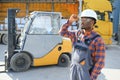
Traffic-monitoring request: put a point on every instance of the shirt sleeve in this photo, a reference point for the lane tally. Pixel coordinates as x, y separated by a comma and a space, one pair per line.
99, 58
64, 32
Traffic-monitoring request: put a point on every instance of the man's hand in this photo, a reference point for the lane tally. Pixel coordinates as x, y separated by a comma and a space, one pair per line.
73, 18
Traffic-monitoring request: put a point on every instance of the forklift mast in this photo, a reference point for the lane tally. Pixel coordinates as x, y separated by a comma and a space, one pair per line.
11, 38
11, 34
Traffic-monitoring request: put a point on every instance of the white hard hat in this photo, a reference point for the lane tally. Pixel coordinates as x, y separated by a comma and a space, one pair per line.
89, 13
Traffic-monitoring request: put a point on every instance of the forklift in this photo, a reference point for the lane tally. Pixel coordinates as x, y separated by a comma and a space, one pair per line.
39, 43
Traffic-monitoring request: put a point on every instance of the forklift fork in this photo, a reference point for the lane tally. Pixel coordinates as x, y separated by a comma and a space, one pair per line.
4, 65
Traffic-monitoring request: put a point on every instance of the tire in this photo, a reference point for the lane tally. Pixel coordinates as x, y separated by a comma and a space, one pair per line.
18, 38
64, 60
116, 37
20, 62
5, 39
0, 37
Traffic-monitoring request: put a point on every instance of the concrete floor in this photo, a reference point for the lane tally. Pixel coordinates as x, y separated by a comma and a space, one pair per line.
111, 71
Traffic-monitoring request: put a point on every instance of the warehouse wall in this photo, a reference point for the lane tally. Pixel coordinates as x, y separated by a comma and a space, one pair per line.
26, 7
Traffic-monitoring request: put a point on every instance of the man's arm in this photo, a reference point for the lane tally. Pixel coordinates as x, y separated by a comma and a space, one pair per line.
99, 58
64, 30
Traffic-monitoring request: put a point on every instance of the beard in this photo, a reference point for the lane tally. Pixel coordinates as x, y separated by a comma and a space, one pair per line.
82, 27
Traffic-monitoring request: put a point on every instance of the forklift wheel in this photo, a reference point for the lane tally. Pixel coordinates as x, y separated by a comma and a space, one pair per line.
5, 39
0, 37
18, 38
64, 60
20, 62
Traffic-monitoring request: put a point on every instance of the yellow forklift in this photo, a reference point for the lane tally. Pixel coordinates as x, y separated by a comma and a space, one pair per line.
39, 43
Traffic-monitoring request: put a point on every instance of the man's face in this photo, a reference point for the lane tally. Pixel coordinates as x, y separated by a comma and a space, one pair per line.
86, 23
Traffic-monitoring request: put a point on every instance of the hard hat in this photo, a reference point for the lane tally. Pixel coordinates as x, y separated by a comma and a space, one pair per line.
89, 13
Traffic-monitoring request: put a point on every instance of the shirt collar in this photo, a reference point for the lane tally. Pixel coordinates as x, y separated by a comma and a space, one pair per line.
86, 33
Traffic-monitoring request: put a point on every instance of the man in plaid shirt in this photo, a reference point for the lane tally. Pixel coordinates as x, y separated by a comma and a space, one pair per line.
97, 46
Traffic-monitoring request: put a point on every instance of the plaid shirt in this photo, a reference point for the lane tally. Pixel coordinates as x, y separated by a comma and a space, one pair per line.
97, 47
